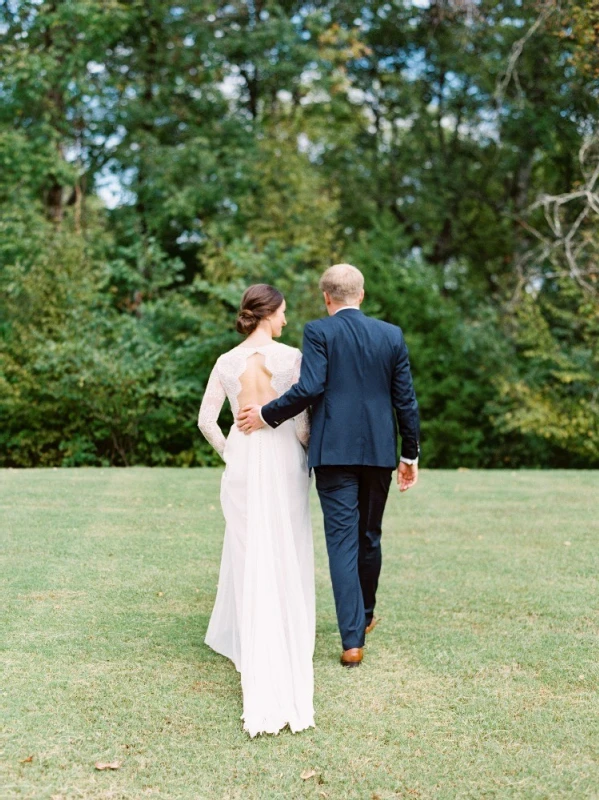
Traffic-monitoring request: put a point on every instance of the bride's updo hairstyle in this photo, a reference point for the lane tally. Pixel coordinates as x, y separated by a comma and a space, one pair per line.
258, 302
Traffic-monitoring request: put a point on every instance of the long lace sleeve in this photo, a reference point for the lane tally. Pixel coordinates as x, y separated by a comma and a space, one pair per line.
302, 421
212, 402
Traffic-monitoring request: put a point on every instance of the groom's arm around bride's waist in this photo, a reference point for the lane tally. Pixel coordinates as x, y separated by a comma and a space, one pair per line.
310, 385
314, 373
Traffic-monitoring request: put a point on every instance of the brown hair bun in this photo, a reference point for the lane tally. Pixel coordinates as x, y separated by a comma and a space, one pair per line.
258, 302
247, 322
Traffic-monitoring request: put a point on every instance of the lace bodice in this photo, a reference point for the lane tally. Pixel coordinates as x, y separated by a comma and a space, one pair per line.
283, 363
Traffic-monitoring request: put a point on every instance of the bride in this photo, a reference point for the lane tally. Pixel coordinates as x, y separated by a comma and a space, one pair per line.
263, 617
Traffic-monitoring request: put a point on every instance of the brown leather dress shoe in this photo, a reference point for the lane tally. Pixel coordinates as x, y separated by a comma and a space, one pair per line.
352, 657
372, 624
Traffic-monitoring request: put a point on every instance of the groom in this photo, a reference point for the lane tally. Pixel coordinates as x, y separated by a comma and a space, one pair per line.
356, 376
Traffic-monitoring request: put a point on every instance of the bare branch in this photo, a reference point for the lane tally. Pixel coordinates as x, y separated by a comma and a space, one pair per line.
568, 241
511, 73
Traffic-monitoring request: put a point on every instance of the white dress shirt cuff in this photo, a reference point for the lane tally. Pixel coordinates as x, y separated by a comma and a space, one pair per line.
408, 460
261, 417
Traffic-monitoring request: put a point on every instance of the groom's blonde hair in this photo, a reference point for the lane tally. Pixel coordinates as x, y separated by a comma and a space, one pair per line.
342, 282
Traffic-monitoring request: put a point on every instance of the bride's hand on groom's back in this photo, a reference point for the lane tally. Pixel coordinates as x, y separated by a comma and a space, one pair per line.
407, 476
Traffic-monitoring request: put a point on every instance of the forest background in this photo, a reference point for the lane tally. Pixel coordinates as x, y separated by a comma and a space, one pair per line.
157, 157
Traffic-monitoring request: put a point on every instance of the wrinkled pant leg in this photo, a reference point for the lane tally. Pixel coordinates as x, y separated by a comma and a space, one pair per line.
338, 489
372, 497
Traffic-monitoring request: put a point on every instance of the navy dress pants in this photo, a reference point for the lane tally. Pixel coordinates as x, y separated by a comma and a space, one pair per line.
353, 501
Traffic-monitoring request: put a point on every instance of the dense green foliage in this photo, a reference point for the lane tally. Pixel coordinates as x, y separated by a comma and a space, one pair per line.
449, 151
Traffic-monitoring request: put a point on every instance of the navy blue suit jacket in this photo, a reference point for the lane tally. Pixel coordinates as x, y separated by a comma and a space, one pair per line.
356, 376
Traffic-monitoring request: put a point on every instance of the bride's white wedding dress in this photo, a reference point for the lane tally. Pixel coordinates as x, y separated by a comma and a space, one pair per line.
264, 614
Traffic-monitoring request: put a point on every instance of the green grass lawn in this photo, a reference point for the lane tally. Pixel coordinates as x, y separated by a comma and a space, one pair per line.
480, 682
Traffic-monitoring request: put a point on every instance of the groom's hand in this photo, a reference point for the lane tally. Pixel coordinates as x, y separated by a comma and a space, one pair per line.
249, 419
407, 476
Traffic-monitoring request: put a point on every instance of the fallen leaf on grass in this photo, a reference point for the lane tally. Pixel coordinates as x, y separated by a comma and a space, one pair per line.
26, 760
307, 774
107, 764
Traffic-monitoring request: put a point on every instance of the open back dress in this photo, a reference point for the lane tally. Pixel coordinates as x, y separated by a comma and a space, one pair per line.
264, 614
